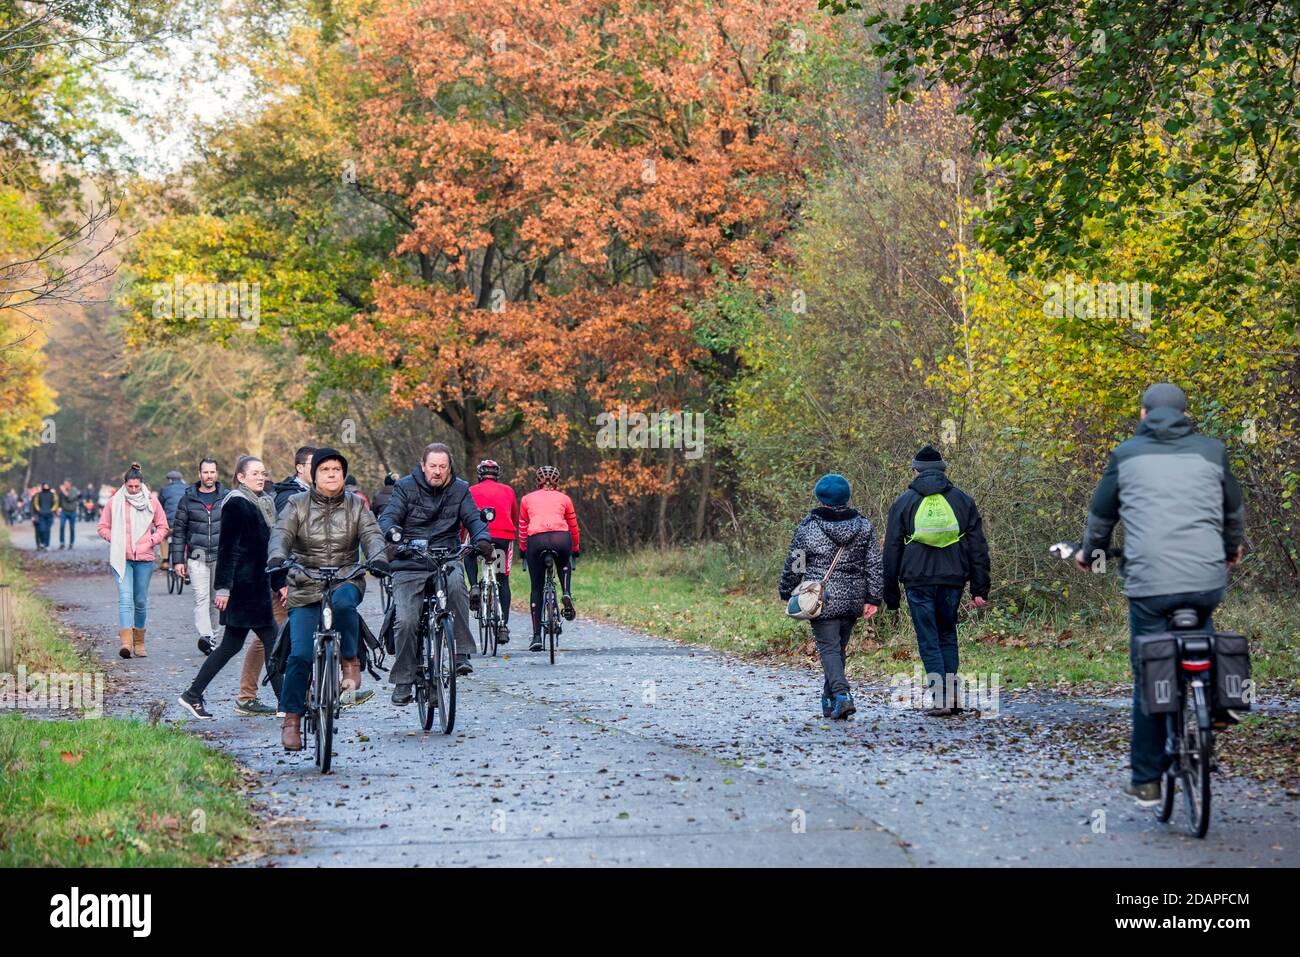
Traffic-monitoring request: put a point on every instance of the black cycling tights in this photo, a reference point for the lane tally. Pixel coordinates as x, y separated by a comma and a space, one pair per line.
562, 544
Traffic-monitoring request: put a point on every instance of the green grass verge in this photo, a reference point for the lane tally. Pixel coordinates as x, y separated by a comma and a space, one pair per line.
701, 595
100, 792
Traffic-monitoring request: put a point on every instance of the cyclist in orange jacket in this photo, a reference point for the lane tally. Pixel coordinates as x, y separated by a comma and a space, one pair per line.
548, 523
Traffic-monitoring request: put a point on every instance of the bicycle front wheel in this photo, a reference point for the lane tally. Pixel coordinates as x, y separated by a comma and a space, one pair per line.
446, 676
425, 679
1198, 744
325, 698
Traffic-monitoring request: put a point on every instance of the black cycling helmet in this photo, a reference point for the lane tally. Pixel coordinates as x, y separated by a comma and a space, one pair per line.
548, 476
488, 467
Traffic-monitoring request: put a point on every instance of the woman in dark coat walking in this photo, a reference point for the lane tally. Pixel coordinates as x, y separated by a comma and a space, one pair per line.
240, 583
839, 536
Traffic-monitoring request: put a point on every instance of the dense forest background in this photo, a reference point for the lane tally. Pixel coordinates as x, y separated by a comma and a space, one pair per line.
834, 234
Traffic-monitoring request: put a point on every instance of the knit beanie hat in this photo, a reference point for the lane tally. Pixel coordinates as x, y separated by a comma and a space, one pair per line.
929, 458
324, 455
832, 490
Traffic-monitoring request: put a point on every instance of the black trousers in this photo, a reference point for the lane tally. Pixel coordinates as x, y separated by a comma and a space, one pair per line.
502, 545
562, 544
832, 638
232, 641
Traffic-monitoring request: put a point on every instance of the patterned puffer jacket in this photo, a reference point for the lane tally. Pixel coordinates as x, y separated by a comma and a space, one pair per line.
859, 575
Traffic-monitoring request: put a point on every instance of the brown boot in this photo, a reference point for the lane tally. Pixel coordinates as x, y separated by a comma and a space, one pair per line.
291, 732
125, 635
137, 642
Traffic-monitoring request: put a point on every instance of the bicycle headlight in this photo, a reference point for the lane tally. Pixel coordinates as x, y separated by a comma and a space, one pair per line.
327, 618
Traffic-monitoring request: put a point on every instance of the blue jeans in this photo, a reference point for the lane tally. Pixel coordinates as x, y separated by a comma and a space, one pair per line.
68, 520
133, 594
934, 616
303, 622
1150, 616
43, 525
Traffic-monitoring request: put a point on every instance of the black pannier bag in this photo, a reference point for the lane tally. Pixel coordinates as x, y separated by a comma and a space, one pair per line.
278, 661
1232, 685
1157, 661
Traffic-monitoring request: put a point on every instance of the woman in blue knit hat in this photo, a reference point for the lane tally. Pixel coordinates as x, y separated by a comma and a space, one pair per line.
836, 539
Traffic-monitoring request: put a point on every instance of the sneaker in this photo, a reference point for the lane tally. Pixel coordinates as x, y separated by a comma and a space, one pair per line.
403, 694
843, 707
1147, 793
463, 667
536, 644
828, 705
473, 598
253, 708
206, 644
350, 698
503, 635
194, 705
568, 612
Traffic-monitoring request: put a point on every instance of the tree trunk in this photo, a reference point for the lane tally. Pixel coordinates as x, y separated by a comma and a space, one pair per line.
702, 502
663, 501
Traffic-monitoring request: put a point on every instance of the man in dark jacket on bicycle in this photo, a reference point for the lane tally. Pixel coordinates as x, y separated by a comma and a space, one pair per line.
432, 504
1184, 524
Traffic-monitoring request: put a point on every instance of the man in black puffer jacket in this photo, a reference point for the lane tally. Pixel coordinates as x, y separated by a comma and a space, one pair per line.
835, 535
934, 561
196, 533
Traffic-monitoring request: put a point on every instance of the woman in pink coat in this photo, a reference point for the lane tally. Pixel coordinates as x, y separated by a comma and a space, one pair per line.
134, 524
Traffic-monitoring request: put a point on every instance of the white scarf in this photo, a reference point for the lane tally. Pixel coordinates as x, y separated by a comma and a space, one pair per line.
122, 525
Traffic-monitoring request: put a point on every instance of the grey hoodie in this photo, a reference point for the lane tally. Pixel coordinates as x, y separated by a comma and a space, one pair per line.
1180, 505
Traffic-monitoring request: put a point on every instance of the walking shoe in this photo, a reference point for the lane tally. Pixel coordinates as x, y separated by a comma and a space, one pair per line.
463, 667
503, 635
828, 705
843, 707
291, 732
206, 644
194, 705
402, 694
537, 643
350, 699
473, 598
253, 708
568, 612
1147, 793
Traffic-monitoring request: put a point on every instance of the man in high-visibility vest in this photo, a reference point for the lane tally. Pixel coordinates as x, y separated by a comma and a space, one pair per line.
934, 545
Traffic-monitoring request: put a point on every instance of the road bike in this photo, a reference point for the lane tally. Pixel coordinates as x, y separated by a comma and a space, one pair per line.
489, 615
435, 673
324, 693
551, 627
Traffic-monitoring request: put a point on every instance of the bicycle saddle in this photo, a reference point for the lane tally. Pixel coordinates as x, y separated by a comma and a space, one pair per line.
548, 556
1185, 618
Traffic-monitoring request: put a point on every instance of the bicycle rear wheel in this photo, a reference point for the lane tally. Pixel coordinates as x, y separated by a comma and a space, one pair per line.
445, 651
493, 606
1198, 745
424, 681
180, 584
171, 581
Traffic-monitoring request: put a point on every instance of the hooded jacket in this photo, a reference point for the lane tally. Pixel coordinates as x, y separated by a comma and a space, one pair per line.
857, 579
915, 563
434, 514
1180, 504
291, 485
170, 496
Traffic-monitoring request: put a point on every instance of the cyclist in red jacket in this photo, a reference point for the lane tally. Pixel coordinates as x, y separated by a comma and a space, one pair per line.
547, 523
491, 493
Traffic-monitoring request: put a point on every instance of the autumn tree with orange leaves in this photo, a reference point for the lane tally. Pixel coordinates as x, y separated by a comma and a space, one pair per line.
578, 174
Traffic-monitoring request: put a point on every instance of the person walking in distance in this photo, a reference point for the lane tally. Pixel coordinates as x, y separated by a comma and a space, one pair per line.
836, 545
243, 588
934, 544
67, 513
170, 497
134, 524
492, 493
45, 504
195, 537
548, 523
